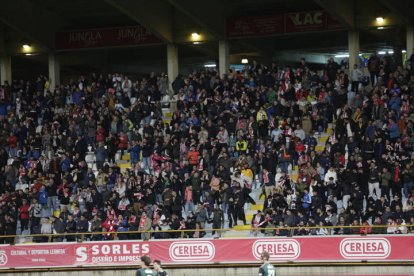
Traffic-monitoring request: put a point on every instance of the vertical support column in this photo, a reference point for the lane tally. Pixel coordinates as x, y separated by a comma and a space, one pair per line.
5, 61
224, 57
172, 65
353, 48
5, 68
398, 57
410, 40
54, 70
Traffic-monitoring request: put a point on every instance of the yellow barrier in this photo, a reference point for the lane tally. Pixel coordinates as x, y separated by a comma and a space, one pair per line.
220, 230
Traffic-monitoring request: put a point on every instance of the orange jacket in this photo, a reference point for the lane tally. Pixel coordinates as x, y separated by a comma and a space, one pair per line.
192, 157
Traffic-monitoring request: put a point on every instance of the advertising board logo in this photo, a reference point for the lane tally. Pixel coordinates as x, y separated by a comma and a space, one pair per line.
192, 251
279, 249
3, 258
371, 248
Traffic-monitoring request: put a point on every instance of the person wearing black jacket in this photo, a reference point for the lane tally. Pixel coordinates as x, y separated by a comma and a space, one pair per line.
52, 199
82, 225
407, 180
373, 181
70, 228
59, 228
239, 201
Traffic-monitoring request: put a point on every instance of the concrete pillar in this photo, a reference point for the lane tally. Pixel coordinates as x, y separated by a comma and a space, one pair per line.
5, 68
410, 40
54, 70
224, 57
398, 57
353, 48
172, 64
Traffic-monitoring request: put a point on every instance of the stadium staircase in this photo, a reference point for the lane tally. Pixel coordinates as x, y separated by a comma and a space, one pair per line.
241, 230
250, 210
124, 162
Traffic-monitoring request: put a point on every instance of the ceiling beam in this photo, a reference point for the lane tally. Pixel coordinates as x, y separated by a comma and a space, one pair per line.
155, 15
202, 15
402, 8
34, 23
342, 10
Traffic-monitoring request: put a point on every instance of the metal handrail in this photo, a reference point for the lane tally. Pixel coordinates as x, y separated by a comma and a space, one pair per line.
220, 230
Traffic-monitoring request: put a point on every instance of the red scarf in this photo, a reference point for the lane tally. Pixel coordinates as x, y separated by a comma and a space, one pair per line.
396, 174
266, 178
142, 223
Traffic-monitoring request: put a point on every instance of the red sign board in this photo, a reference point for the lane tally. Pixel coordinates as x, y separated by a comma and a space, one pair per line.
279, 24
255, 26
108, 37
200, 251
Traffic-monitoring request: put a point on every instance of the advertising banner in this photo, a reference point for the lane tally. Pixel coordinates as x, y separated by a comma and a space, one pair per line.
308, 21
106, 37
255, 26
200, 251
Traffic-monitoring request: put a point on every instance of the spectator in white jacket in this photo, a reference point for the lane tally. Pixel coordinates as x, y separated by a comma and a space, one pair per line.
331, 173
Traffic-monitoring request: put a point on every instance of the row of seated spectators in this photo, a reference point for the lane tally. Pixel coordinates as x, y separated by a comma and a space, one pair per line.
228, 136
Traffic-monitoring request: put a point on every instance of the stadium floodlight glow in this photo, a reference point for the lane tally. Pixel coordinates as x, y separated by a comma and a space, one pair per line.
342, 55
196, 42
210, 65
244, 61
403, 51
391, 52
381, 53
28, 54
380, 28
195, 36
380, 19
26, 47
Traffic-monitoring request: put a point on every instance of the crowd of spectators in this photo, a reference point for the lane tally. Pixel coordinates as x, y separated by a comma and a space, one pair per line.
227, 136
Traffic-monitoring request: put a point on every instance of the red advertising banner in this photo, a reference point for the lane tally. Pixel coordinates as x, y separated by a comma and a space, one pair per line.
255, 26
278, 24
107, 37
305, 21
192, 251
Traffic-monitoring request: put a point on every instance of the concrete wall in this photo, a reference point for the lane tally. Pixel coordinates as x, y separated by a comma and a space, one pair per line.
293, 57
241, 271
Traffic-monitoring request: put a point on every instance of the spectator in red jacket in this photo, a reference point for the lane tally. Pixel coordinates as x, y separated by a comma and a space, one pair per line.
12, 144
24, 215
122, 142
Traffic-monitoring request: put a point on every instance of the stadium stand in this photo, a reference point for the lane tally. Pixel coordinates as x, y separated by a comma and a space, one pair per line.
263, 147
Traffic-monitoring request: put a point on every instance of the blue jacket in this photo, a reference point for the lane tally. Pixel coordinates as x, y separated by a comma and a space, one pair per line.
134, 153
100, 154
395, 104
43, 197
65, 165
77, 97
394, 131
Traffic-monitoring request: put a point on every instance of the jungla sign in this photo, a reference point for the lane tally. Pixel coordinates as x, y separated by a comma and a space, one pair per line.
390, 248
88, 37
106, 37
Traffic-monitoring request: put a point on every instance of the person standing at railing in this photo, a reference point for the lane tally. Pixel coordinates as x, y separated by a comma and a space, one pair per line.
145, 225
35, 210
46, 229
24, 215
58, 227
70, 228
9, 227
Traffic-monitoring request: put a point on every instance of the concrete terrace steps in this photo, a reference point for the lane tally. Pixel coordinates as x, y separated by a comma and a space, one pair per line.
251, 210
